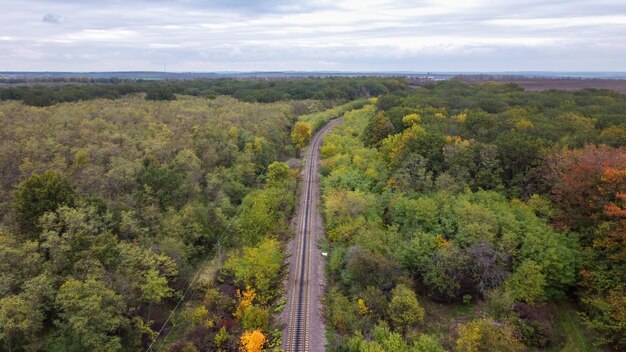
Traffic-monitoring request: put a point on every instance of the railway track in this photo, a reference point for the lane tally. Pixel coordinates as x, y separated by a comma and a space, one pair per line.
300, 294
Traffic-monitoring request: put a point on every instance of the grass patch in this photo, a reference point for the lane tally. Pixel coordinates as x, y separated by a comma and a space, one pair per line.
567, 324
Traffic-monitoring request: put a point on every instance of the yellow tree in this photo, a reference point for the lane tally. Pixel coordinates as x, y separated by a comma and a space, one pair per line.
252, 341
301, 134
245, 300
487, 335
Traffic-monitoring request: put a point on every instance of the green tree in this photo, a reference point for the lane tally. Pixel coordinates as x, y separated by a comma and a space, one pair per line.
557, 255
605, 314
20, 324
160, 92
19, 261
221, 337
258, 267
278, 173
160, 182
154, 289
189, 225
527, 283
263, 213
188, 164
40, 194
342, 314
365, 268
427, 343
404, 309
74, 234
487, 170
413, 174
255, 317
90, 316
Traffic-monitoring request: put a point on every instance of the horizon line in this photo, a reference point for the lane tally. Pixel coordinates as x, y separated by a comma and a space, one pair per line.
319, 71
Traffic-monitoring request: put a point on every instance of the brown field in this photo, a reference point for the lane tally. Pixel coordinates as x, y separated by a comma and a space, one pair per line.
536, 84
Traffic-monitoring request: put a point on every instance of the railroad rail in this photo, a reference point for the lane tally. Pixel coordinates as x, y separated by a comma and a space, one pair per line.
299, 297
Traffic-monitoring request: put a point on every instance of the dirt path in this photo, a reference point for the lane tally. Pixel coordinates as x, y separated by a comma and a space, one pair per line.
303, 321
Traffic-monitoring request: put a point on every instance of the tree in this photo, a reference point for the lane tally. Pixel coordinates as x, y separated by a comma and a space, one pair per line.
485, 335
404, 309
518, 154
246, 298
579, 185
253, 341
40, 194
388, 340
160, 182
278, 173
81, 233
189, 225
411, 119
487, 170
221, 337
20, 324
263, 213
377, 130
90, 315
527, 283
604, 312
255, 317
342, 206
188, 164
557, 255
301, 134
258, 267
445, 272
415, 140
134, 264
375, 301
366, 268
19, 261
342, 314
615, 240
490, 265
427, 343
160, 92
154, 289
413, 174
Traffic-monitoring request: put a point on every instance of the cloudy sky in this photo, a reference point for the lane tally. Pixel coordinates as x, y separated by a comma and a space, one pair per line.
343, 35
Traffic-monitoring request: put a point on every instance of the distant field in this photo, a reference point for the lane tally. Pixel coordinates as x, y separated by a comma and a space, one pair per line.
565, 84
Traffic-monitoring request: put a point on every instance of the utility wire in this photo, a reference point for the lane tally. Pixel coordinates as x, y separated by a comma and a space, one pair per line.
206, 260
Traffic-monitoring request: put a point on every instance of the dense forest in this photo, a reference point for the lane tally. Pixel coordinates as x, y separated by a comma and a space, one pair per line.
109, 207
458, 217
153, 214
477, 218
263, 91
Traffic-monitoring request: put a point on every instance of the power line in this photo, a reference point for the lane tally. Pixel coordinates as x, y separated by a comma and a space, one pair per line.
206, 260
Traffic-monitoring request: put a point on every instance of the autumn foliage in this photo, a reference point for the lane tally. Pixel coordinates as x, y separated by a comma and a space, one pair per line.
301, 134
252, 341
472, 195
585, 181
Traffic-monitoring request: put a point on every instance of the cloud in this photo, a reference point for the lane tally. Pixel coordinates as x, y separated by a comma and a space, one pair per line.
52, 18
429, 35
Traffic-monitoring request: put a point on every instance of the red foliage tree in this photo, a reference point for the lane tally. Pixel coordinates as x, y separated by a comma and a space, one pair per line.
615, 241
584, 181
